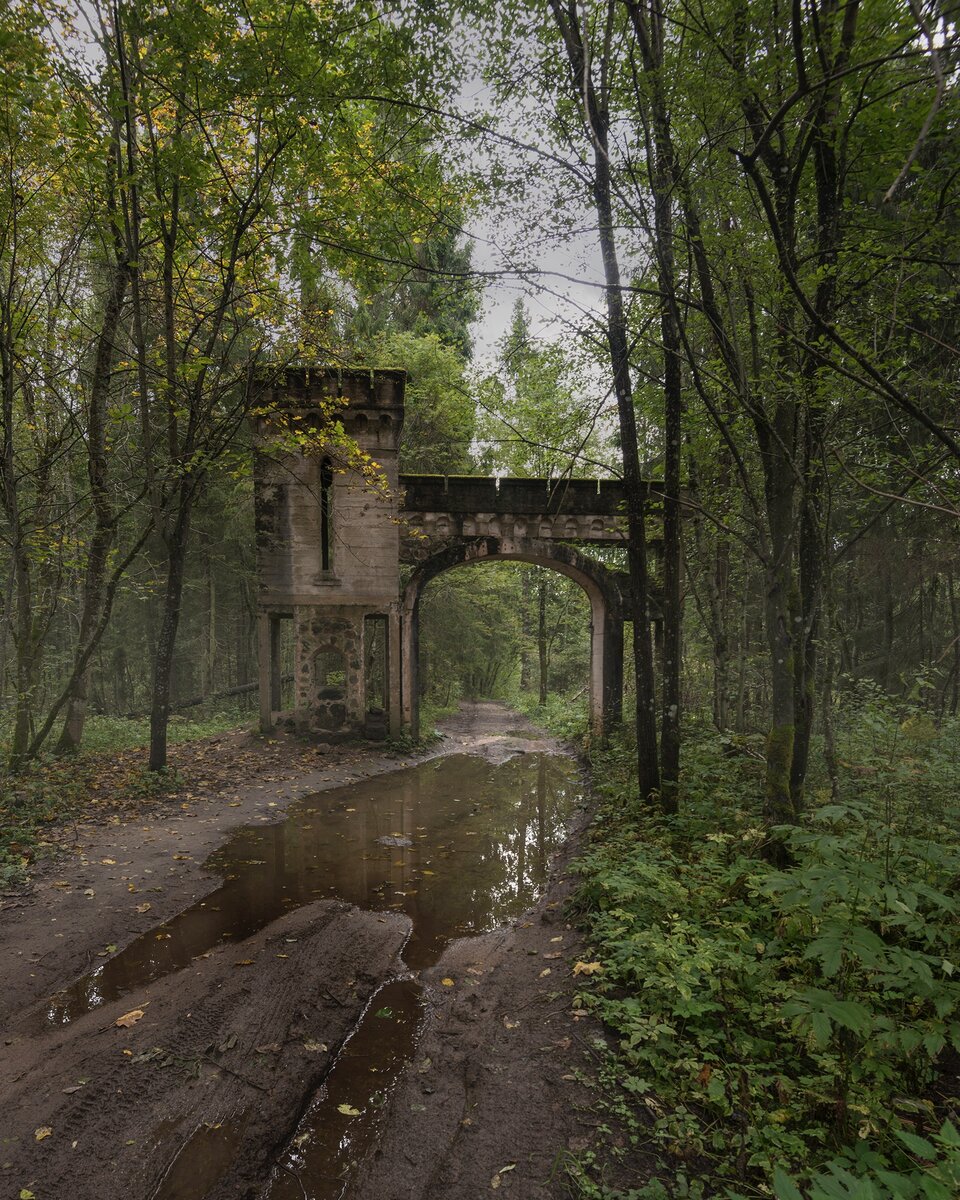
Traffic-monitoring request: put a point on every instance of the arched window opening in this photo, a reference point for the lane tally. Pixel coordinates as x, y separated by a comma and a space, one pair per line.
326, 515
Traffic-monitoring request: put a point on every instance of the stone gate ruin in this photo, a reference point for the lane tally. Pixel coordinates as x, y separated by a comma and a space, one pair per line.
330, 549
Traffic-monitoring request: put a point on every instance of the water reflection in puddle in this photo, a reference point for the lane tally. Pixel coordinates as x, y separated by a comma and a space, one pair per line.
465, 846
458, 844
344, 1117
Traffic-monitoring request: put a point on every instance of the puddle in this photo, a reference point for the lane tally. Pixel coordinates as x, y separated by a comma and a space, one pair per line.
459, 844
480, 838
203, 1159
344, 1118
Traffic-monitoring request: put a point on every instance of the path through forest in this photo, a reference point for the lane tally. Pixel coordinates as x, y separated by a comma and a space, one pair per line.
280, 1039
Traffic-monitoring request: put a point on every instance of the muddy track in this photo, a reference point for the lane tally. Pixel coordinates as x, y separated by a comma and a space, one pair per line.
200, 1096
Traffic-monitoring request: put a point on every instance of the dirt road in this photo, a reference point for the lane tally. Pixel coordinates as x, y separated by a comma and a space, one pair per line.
197, 1093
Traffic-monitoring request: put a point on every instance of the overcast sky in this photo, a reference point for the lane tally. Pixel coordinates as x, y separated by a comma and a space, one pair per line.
565, 284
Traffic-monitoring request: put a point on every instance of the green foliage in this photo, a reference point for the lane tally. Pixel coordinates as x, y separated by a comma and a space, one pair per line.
439, 417
107, 734
564, 716
786, 1025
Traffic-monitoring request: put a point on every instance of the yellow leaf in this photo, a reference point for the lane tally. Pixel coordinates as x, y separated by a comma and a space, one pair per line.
130, 1018
142, 908
348, 1110
584, 968
545, 971
244, 962
448, 982
43, 1132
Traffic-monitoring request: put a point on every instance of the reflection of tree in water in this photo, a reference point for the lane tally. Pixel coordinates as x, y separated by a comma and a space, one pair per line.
480, 840
502, 845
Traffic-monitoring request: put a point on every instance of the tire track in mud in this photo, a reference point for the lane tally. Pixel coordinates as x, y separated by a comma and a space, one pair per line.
218, 1044
229, 1058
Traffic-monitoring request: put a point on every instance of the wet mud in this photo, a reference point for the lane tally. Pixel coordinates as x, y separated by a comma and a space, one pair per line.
294, 1020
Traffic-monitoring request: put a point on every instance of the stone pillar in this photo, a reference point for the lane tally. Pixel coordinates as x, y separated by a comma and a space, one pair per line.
265, 670
606, 669
410, 666
394, 673
597, 664
276, 676
612, 673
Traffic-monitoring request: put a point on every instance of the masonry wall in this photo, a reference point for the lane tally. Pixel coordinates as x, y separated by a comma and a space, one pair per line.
364, 536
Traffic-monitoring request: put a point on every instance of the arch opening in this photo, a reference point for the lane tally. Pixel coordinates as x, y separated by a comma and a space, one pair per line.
604, 631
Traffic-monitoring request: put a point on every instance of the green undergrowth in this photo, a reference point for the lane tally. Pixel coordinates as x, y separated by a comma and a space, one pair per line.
562, 716
104, 735
783, 1032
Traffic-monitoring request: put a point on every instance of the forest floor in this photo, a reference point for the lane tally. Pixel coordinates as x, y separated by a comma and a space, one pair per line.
198, 1094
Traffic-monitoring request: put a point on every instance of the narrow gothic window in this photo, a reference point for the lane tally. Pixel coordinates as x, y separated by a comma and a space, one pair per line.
326, 515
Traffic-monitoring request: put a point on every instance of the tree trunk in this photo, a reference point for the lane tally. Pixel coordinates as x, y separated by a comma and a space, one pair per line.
781, 612
94, 582
811, 554
542, 638
597, 120
166, 640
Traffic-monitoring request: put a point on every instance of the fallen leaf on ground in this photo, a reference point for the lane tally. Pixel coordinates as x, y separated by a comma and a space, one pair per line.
244, 962
545, 971
315, 1046
448, 982
43, 1132
109, 862
348, 1110
142, 908
585, 968
130, 1018
26, 1194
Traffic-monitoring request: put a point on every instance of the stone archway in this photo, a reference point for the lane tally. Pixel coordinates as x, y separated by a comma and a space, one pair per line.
330, 547
606, 617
